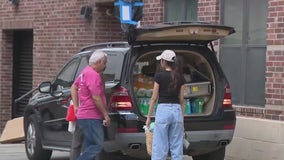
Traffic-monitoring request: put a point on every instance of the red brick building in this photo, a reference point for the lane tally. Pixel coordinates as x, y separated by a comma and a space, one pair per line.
38, 36
52, 31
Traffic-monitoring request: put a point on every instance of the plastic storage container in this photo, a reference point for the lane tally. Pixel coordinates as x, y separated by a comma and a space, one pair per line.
197, 89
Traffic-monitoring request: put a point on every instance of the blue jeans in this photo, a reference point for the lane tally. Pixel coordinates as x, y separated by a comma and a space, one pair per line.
77, 142
168, 132
93, 138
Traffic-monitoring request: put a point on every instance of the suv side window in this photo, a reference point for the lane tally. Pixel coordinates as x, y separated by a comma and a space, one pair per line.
83, 63
113, 66
66, 77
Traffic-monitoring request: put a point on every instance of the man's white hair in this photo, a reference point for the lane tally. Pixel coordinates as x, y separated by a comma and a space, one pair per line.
96, 56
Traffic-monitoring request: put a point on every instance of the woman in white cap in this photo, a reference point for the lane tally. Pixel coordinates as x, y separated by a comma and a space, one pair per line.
168, 90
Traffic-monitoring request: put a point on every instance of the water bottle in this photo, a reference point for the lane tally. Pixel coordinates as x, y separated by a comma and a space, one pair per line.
200, 102
185, 106
141, 105
146, 106
194, 106
188, 106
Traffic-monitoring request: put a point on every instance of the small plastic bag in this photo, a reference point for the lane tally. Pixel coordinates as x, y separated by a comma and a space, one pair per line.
70, 116
71, 126
185, 141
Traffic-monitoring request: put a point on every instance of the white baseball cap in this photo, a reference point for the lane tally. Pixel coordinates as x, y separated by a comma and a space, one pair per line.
168, 55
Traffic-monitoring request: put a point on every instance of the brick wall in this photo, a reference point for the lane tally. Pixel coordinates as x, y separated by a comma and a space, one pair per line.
274, 85
208, 11
257, 112
153, 11
5, 77
59, 33
275, 54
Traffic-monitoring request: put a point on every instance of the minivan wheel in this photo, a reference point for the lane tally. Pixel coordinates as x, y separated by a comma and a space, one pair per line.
216, 155
33, 145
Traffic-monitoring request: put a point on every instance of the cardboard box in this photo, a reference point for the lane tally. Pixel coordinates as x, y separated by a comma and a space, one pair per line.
13, 131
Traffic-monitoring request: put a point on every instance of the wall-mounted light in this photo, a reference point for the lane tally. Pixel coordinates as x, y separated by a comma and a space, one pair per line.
14, 2
86, 12
125, 8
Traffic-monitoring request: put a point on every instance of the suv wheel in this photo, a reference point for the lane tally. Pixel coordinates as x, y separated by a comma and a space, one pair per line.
216, 155
33, 145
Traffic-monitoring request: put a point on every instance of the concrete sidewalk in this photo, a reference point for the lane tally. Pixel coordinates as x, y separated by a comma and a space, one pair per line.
254, 139
257, 139
17, 152
12, 150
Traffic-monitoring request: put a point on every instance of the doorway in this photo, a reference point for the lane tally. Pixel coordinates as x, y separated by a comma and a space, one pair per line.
22, 69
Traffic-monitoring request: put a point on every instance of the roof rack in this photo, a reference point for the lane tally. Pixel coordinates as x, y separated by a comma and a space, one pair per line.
105, 45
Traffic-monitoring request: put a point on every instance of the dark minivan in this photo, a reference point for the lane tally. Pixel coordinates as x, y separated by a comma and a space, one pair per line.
209, 121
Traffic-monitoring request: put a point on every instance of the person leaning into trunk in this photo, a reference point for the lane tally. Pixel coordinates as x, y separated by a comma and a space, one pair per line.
168, 90
90, 105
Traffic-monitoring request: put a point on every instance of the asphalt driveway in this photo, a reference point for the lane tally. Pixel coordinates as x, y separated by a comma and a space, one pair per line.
17, 152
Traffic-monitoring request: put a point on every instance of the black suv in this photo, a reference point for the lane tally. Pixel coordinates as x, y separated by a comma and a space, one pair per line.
210, 119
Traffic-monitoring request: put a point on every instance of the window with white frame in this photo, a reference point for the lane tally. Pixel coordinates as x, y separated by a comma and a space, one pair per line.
180, 10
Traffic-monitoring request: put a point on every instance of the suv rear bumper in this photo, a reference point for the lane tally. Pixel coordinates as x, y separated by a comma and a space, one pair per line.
201, 142
207, 136
133, 144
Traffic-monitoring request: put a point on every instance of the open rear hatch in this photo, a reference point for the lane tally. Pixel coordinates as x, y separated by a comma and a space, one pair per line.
200, 92
180, 32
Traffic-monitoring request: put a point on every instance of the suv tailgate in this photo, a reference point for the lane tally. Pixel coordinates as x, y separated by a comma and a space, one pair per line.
184, 32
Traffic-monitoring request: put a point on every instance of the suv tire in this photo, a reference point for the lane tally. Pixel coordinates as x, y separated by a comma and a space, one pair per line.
33, 145
215, 155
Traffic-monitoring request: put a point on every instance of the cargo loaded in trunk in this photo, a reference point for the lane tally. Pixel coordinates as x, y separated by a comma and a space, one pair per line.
199, 85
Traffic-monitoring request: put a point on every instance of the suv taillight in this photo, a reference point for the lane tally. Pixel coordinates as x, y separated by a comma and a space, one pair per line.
120, 100
227, 101
65, 100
